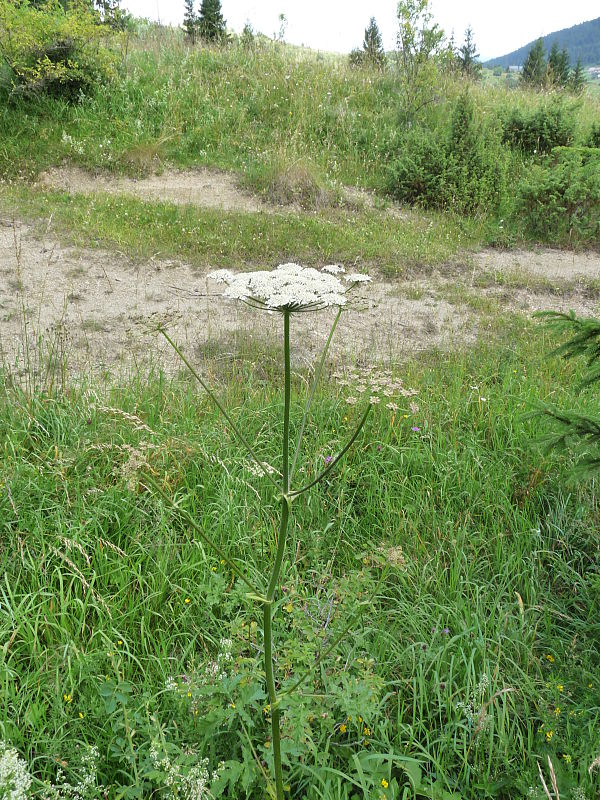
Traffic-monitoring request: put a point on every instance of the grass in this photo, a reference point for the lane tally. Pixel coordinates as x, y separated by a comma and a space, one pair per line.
143, 229
491, 555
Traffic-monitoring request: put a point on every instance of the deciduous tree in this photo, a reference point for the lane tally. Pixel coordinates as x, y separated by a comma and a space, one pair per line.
419, 41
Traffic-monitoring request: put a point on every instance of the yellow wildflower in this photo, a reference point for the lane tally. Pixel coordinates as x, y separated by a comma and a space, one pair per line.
549, 735
384, 783
567, 758
557, 711
560, 687
343, 728
187, 601
550, 658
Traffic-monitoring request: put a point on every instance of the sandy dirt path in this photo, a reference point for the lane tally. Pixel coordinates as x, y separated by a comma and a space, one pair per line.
94, 310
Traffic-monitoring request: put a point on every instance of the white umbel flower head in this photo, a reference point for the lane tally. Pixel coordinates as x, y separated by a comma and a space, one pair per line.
290, 287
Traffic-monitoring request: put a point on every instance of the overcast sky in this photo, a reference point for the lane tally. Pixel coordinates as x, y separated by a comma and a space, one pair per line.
338, 25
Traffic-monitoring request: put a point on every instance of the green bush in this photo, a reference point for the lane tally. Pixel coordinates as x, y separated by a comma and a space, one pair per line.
539, 132
558, 201
464, 171
50, 51
418, 175
593, 139
475, 161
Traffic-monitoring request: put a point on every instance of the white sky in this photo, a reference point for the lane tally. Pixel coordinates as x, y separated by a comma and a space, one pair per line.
499, 26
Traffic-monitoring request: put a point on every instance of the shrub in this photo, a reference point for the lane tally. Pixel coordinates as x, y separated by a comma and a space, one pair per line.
593, 139
558, 201
475, 163
546, 128
418, 174
52, 51
465, 171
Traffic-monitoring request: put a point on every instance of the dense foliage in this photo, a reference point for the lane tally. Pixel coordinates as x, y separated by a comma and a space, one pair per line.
50, 51
559, 200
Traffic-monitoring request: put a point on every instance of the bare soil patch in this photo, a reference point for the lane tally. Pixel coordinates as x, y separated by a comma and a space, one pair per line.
202, 187
562, 265
211, 189
93, 310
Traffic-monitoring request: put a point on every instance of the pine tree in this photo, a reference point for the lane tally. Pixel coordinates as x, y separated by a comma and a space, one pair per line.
575, 428
374, 54
468, 55
534, 69
554, 62
190, 21
211, 25
577, 79
558, 65
564, 67
110, 13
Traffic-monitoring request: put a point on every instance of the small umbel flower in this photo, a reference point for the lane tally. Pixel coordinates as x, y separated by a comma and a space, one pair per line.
15, 779
290, 287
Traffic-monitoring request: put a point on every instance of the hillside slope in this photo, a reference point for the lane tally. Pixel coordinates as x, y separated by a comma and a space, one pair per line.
582, 42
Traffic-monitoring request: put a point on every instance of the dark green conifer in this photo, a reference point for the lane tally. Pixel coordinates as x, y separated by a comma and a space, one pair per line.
577, 79
373, 52
190, 21
468, 55
534, 69
211, 25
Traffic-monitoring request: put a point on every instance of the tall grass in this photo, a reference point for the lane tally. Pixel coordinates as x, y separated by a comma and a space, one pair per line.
240, 109
477, 655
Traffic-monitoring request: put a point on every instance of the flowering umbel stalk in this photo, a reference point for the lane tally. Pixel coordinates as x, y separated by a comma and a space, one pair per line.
283, 526
289, 289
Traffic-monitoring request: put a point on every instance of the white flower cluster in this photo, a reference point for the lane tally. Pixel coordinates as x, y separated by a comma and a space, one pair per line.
253, 468
380, 384
15, 780
474, 709
215, 670
181, 784
290, 287
86, 788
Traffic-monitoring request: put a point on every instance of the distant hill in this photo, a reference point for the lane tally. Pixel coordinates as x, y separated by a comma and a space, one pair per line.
582, 42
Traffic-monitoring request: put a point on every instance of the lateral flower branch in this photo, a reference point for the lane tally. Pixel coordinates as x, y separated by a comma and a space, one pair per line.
288, 289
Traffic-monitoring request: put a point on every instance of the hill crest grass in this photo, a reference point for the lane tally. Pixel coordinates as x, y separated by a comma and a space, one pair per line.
257, 111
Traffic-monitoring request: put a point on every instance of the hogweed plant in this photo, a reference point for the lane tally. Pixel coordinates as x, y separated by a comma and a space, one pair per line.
290, 289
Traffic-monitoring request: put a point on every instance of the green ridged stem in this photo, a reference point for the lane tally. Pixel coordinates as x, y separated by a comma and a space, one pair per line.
267, 607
